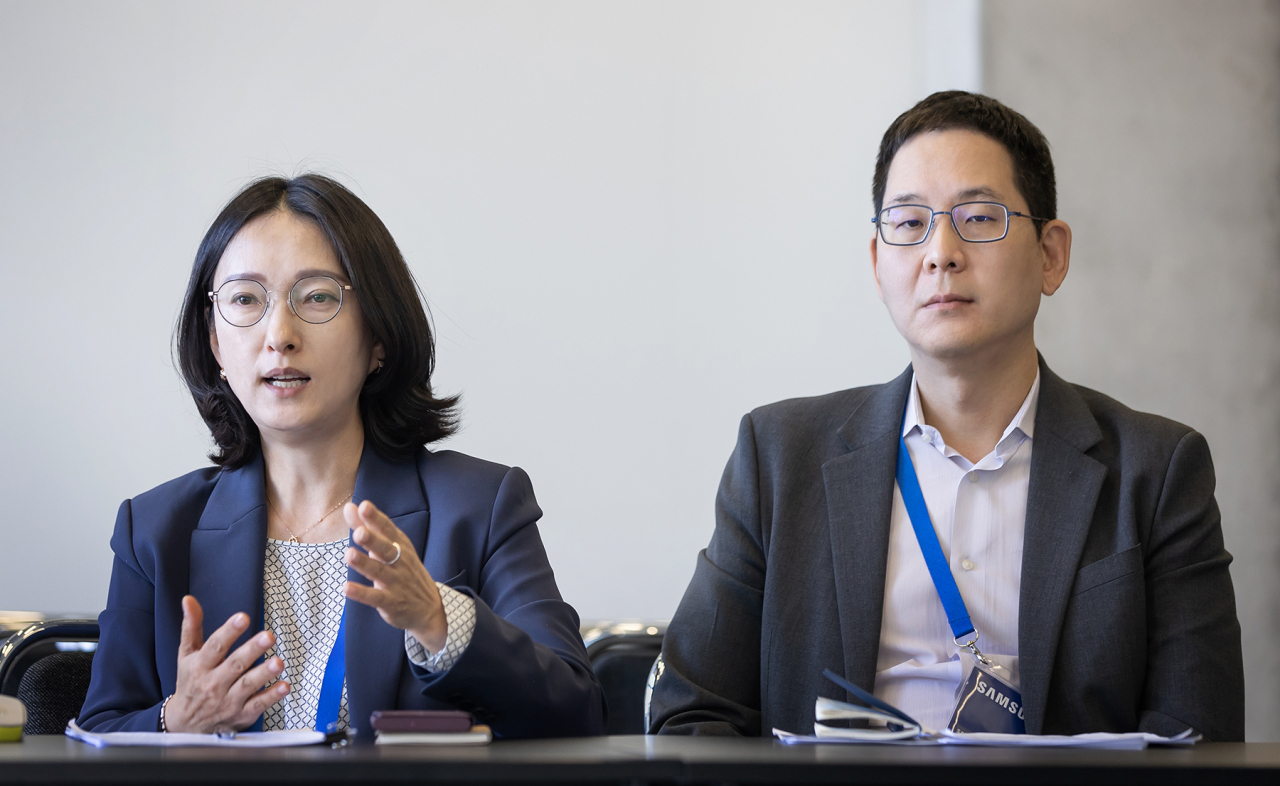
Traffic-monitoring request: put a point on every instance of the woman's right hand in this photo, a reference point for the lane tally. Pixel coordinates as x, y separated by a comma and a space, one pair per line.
217, 692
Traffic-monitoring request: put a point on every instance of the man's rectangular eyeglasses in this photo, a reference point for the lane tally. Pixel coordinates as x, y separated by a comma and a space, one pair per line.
974, 222
243, 302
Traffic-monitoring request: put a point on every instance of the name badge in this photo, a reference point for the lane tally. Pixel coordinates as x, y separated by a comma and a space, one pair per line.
988, 703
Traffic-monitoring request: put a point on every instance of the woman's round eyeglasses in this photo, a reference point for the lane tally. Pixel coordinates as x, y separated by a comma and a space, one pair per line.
243, 302
975, 222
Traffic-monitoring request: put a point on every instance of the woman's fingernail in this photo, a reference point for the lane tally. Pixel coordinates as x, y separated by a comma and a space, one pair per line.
282, 689
240, 620
264, 639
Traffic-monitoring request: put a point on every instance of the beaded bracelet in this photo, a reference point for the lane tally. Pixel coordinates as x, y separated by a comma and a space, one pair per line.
162, 708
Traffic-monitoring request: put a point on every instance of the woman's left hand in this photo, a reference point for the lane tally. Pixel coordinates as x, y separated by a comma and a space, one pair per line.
403, 591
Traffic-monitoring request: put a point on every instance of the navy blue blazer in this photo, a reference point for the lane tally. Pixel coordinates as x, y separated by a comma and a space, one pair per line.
473, 523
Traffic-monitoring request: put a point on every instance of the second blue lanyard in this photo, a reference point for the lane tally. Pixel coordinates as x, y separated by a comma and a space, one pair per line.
939, 569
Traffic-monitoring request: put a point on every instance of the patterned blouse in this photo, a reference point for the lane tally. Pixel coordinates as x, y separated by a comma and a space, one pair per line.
302, 604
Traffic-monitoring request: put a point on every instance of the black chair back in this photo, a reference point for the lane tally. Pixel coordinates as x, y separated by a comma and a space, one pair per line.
47, 665
622, 655
53, 690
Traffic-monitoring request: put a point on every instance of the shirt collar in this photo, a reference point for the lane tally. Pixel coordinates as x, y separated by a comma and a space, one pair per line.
1021, 427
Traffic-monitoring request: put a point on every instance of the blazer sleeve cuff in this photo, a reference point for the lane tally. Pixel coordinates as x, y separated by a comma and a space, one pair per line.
460, 620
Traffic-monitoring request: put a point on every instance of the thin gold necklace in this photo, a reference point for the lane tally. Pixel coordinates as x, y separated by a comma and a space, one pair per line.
294, 538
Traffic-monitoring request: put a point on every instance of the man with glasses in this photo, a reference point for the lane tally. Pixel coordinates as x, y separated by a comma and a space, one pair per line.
976, 522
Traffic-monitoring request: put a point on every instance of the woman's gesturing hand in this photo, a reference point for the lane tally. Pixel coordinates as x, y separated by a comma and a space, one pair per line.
403, 591
217, 692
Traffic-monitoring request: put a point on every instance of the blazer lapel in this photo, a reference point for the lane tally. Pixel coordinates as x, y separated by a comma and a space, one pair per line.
374, 650
228, 548
859, 486
1061, 498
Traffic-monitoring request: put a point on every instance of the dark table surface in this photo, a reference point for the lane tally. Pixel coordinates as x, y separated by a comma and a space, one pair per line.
636, 760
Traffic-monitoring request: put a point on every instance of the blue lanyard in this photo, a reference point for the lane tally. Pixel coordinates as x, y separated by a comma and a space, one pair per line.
335, 673
939, 570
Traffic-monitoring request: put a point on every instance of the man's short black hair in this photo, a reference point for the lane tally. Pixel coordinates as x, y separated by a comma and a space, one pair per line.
401, 412
956, 109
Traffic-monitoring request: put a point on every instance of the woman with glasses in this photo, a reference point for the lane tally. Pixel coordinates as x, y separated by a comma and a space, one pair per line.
329, 565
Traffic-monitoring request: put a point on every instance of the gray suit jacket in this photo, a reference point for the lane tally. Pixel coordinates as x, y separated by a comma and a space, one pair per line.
1127, 614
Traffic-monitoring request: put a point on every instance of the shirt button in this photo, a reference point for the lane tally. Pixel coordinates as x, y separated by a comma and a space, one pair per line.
973, 477
926, 436
967, 564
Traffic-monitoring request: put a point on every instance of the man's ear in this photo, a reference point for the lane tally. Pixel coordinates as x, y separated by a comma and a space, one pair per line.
1055, 252
875, 269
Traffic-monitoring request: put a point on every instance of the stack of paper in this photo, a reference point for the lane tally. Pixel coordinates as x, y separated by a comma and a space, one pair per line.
1127, 741
898, 728
159, 739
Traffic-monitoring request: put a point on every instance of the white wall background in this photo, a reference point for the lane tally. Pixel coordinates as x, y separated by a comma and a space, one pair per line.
635, 222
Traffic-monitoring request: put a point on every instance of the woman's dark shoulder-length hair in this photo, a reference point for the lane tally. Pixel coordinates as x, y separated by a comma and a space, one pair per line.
399, 410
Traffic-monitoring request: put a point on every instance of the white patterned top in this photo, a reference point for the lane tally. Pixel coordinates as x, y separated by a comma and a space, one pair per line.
302, 604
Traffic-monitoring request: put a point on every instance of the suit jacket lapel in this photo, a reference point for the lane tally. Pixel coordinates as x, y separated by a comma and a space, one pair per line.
374, 650
859, 486
228, 548
1061, 498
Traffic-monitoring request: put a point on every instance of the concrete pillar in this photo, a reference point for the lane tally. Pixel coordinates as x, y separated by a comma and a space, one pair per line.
1164, 119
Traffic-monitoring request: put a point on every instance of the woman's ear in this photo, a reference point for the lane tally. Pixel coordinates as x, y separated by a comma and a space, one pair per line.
213, 338
377, 358
875, 267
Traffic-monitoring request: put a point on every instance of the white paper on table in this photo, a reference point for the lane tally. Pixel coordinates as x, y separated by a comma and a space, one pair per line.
900, 729
788, 738
1126, 741
1136, 740
160, 739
